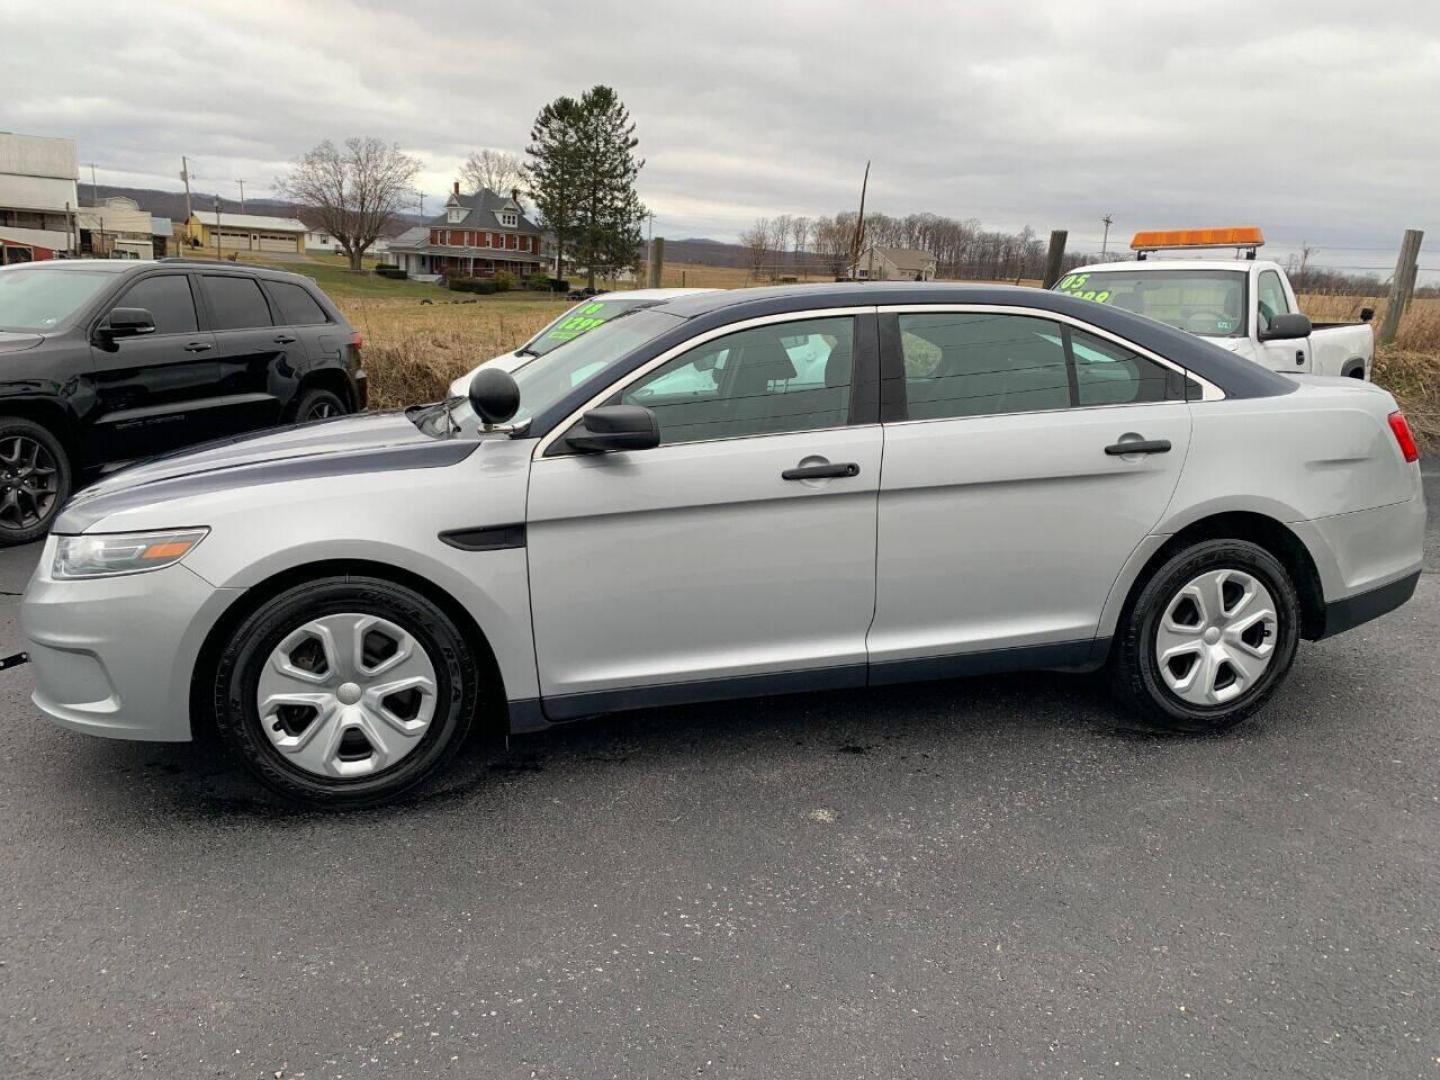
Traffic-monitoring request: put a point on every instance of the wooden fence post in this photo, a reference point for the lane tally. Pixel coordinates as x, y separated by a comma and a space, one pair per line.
657, 261
1054, 258
1401, 285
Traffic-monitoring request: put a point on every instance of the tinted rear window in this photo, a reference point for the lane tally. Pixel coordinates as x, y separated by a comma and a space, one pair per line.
236, 303
297, 306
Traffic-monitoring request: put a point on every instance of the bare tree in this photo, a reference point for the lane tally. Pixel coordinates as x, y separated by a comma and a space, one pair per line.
799, 237
780, 237
497, 170
833, 237
354, 192
757, 243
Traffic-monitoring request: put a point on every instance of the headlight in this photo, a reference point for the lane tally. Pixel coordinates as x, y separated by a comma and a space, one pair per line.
109, 554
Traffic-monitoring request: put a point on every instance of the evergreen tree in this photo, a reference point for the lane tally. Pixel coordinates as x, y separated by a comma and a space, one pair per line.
582, 174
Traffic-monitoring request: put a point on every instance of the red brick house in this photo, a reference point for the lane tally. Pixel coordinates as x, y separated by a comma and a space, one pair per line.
476, 236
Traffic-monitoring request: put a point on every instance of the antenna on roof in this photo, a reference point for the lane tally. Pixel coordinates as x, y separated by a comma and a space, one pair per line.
859, 237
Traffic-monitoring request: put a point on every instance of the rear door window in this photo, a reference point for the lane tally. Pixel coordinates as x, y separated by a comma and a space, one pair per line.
982, 363
1110, 374
297, 306
168, 299
235, 303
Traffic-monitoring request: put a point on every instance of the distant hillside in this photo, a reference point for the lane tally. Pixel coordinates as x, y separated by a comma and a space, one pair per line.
700, 252
171, 204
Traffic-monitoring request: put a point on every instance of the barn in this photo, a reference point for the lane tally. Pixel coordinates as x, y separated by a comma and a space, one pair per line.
245, 232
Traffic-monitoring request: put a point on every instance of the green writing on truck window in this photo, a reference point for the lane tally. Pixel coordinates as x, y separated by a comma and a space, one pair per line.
1074, 284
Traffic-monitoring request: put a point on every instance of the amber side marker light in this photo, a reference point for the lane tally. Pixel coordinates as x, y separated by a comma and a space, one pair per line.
172, 550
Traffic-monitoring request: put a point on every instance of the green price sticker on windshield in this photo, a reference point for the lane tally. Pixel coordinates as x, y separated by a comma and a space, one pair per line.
1074, 284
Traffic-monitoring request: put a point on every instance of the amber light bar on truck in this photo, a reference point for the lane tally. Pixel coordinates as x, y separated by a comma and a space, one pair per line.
1248, 237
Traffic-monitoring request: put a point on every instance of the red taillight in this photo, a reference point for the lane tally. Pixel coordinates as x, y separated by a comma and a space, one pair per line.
1401, 427
357, 340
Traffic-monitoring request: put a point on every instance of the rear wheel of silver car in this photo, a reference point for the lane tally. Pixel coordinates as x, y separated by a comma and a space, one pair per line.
1209, 638
34, 480
346, 691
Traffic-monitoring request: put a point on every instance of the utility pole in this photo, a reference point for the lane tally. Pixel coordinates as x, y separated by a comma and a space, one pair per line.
242, 195
217, 227
1054, 258
1401, 285
1105, 240
94, 196
650, 249
189, 213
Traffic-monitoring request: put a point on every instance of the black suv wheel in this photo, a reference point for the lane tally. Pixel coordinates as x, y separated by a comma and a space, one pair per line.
34, 480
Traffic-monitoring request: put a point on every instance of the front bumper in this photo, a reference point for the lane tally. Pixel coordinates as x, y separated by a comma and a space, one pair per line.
114, 656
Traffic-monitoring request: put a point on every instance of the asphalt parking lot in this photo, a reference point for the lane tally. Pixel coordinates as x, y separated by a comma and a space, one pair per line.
966, 879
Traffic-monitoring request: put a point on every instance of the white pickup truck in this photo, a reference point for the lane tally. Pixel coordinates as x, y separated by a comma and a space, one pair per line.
1246, 306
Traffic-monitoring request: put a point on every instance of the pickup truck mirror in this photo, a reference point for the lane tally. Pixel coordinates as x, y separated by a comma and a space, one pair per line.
1366, 314
123, 322
1283, 327
615, 427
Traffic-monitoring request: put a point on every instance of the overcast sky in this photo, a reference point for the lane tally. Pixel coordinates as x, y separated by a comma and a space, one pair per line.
1313, 119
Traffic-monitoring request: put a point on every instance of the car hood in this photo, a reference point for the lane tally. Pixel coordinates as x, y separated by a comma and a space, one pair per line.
11, 342
373, 442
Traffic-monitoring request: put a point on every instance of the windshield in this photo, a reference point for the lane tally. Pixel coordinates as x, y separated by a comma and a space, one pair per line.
1210, 303
580, 319
39, 301
548, 380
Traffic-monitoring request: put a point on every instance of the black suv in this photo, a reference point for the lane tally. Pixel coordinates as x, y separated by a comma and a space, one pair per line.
108, 361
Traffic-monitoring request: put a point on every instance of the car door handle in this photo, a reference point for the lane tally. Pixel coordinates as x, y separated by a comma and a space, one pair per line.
199, 346
284, 339
1138, 446
820, 472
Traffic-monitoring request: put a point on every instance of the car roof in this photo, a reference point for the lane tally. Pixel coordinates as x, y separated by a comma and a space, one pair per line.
122, 266
1177, 264
650, 294
109, 266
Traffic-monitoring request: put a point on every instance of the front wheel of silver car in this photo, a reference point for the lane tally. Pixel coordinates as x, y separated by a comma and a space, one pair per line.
345, 691
1208, 639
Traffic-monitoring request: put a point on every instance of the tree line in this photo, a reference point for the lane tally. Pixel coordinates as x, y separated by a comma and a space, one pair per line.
786, 244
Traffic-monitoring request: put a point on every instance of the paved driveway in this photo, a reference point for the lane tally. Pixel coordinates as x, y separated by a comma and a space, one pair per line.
966, 879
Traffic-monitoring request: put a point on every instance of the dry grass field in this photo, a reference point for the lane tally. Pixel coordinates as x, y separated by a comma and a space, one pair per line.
414, 349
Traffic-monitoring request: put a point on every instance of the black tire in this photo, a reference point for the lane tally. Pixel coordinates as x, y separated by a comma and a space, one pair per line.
1134, 671
319, 405
237, 712
35, 479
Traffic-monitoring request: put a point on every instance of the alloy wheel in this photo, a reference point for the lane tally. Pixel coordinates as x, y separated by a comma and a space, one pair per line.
29, 482
321, 410
1216, 637
347, 695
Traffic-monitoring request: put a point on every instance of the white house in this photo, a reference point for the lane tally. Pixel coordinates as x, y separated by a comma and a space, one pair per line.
894, 264
320, 242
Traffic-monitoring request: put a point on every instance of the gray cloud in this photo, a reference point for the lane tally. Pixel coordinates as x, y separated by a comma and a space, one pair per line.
1313, 119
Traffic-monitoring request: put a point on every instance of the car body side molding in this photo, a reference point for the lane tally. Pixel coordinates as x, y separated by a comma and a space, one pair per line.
1346, 614
1083, 655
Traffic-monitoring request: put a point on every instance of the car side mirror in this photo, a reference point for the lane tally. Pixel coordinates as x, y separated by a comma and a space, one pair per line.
1282, 327
615, 427
1366, 314
123, 322
494, 395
